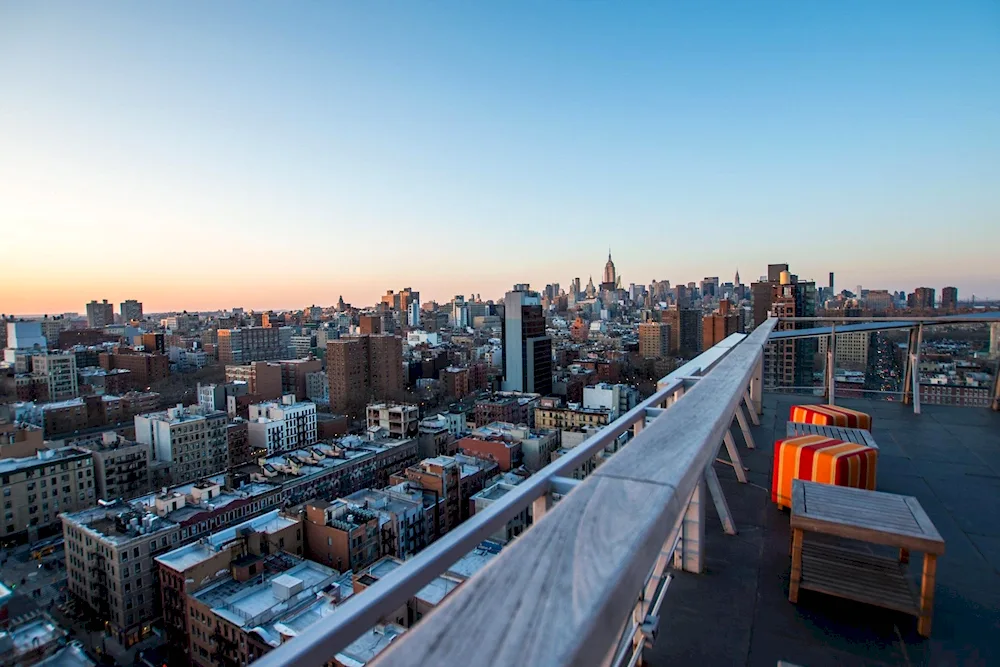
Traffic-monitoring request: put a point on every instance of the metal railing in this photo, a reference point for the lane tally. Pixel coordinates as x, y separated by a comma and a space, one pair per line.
912, 391
583, 585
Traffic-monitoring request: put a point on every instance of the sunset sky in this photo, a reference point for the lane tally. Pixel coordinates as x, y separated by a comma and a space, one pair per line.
275, 155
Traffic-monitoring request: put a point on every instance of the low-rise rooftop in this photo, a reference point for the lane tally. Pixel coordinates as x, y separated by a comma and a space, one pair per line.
364, 649
41, 458
301, 617
197, 552
181, 414
122, 520
248, 604
433, 593
508, 430
119, 522
494, 492
475, 560
381, 501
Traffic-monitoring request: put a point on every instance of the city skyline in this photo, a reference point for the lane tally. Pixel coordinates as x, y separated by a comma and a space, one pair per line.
842, 284
199, 157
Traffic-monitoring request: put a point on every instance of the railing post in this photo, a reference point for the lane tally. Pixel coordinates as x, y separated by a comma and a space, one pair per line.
541, 505
908, 372
996, 390
719, 498
757, 383
689, 555
745, 428
915, 372
645, 606
831, 357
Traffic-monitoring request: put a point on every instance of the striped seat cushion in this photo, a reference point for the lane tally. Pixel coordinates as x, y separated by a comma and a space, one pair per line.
829, 415
818, 458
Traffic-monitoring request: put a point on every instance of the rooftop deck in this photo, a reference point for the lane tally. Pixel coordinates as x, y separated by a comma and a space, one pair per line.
738, 613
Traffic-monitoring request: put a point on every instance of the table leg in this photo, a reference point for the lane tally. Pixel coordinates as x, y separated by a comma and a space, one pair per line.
793, 585
904, 555
927, 595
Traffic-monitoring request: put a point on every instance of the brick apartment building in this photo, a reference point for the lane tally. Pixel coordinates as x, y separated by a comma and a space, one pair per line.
71, 337
442, 477
717, 326
37, 488
361, 368
606, 370
85, 412
294, 374
237, 551
506, 407
146, 368
505, 452
654, 340
263, 378
238, 444
110, 549
341, 535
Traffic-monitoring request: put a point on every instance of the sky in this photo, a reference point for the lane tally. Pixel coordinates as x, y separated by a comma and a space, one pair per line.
276, 155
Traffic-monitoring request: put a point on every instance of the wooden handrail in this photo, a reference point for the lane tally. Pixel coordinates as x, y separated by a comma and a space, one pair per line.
559, 594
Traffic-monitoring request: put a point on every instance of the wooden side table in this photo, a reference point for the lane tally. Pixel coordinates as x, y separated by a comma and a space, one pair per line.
869, 516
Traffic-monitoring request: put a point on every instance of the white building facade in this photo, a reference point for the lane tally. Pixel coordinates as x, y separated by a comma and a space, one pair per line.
298, 422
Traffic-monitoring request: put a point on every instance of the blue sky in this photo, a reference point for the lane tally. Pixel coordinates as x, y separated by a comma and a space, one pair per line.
280, 154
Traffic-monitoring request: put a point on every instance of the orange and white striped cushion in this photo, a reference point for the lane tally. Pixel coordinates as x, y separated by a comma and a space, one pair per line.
830, 415
820, 459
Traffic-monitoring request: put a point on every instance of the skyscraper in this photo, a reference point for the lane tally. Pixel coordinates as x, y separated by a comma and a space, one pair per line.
362, 368
710, 286
400, 301
682, 297
949, 298
654, 340
131, 310
672, 318
788, 362
413, 314
100, 314
527, 351
717, 326
370, 323
610, 276
760, 300
774, 272
691, 335
922, 298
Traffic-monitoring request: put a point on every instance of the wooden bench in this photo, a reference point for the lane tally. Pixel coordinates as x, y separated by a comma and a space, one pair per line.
868, 516
859, 436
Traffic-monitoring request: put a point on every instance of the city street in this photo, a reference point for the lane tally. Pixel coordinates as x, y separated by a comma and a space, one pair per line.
37, 585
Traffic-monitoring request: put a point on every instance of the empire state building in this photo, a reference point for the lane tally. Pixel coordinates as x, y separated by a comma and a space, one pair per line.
609, 282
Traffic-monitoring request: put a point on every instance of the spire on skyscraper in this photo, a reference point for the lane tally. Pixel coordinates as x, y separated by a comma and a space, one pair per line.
609, 272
